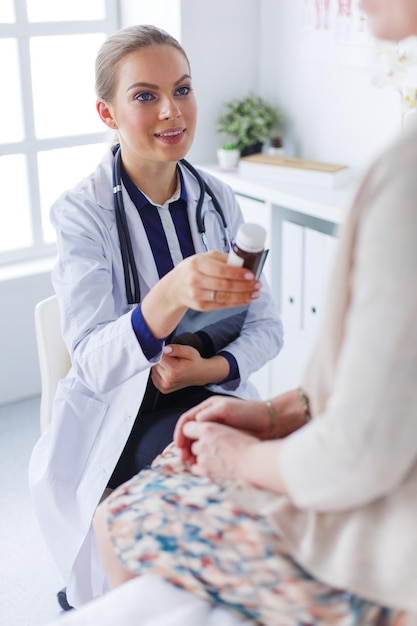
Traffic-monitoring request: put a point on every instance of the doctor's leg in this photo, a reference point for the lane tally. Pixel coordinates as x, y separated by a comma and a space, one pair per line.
116, 573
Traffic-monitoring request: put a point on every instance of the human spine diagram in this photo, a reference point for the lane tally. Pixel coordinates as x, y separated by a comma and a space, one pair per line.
322, 13
345, 8
325, 10
334, 31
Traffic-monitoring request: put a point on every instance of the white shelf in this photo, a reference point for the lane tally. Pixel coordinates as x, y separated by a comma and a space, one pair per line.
327, 204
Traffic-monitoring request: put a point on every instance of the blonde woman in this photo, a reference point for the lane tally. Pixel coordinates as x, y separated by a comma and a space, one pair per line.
154, 318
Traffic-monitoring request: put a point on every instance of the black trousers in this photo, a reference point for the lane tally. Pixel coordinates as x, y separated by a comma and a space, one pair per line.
154, 428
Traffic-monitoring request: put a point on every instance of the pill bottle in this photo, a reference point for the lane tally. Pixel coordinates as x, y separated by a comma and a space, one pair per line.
247, 250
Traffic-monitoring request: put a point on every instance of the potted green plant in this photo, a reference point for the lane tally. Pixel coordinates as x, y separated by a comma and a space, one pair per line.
248, 122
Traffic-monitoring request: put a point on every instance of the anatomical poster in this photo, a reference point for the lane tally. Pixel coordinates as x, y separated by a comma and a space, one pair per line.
334, 31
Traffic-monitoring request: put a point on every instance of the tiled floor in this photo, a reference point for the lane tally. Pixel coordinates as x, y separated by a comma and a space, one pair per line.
29, 579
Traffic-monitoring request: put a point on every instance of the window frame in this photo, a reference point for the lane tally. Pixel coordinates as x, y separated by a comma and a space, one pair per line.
22, 30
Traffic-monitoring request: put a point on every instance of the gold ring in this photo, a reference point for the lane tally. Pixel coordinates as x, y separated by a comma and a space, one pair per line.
213, 296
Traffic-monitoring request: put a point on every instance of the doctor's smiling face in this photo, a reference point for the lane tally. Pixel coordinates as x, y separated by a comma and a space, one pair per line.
391, 19
152, 107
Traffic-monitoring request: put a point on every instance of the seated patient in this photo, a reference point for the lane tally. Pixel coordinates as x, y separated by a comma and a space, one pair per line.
284, 519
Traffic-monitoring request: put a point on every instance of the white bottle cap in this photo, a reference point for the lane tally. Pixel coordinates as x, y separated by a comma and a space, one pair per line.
251, 237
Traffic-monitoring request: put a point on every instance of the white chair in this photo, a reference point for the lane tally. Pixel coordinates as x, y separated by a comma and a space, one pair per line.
54, 359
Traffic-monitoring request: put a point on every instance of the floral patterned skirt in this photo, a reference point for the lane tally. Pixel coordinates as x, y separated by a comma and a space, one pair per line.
168, 522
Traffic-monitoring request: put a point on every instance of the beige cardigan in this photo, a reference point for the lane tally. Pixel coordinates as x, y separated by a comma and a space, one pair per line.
352, 472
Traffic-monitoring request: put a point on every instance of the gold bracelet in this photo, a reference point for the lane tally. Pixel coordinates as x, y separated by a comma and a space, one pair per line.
305, 403
272, 430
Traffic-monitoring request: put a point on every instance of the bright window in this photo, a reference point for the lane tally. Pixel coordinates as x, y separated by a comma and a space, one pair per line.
53, 136
11, 107
63, 84
15, 220
7, 12
59, 170
59, 11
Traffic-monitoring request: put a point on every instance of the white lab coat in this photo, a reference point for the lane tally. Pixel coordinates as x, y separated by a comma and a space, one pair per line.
96, 404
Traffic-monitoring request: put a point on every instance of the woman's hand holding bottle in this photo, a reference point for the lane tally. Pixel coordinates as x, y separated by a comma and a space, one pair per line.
203, 282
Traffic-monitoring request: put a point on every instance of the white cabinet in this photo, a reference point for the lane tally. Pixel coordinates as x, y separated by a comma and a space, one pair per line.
319, 249
288, 366
306, 260
291, 279
301, 222
297, 269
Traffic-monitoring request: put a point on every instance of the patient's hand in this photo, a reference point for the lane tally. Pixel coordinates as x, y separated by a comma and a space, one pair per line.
221, 452
248, 416
217, 450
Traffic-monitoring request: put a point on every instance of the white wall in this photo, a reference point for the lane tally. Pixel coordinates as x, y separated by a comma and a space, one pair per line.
221, 39
334, 113
161, 13
19, 369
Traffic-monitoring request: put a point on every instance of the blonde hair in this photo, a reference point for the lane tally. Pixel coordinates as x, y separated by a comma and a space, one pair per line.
121, 43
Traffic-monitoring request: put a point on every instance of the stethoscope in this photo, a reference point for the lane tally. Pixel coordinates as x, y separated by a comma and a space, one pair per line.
129, 266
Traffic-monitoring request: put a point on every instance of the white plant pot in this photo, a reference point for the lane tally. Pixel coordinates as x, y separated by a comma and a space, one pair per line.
228, 159
278, 152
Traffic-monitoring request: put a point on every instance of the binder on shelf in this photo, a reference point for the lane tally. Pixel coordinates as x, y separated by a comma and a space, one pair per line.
319, 250
292, 275
294, 171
